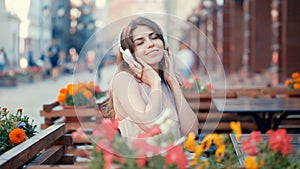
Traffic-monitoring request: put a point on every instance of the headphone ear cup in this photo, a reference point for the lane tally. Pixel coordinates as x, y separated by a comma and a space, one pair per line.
165, 42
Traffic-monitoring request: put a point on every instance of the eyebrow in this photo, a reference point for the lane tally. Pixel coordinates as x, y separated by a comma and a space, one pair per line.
140, 38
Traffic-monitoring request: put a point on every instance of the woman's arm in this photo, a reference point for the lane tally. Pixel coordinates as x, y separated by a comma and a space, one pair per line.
127, 92
187, 118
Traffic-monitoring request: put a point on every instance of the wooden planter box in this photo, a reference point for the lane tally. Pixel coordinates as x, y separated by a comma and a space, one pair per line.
86, 118
7, 80
51, 148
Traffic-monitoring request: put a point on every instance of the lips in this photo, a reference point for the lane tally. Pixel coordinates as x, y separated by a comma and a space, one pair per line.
151, 52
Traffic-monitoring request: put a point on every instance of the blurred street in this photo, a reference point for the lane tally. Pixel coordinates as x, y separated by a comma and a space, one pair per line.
32, 96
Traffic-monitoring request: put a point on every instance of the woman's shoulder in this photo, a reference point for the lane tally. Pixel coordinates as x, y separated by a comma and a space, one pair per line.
123, 77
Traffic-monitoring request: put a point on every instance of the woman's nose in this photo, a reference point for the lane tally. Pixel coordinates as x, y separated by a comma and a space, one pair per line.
149, 42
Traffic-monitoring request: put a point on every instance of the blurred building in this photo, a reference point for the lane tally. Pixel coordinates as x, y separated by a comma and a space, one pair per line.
9, 34
39, 31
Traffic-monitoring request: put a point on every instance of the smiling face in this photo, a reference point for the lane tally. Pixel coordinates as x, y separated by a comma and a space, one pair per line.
148, 46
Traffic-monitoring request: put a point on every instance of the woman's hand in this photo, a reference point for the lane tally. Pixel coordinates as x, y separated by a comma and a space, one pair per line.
148, 75
143, 71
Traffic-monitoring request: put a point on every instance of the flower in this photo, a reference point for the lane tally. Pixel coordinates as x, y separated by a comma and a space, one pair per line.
80, 94
251, 163
17, 136
274, 151
14, 129
193, 84
294, 81
250, 145
236, 128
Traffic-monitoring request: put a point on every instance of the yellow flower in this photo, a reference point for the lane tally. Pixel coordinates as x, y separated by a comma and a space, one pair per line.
17, 136
220, 152
198, 151
190, 143
251, 163
206, 142
218, 140
236, 128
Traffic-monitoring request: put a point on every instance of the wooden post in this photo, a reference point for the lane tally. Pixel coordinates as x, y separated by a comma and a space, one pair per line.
233, 35
260, 35
289, 53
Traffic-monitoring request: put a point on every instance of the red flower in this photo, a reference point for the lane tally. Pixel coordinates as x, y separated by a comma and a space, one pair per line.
209, 86
141, 162
250, 145
177, 156
79, 134
144, 148
278, 140
155, 130
187, 84
107, 129
196, 78
109, 157
97, 89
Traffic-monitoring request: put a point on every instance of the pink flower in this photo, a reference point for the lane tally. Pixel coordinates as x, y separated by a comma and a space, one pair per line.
279, 140
177, 156
250, 145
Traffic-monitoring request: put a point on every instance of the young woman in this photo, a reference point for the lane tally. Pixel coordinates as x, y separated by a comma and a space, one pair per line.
146, 84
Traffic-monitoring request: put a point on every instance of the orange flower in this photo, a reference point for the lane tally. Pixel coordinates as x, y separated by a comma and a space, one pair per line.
88, 94
90, 85
61, 97
297, 86
63, 90
17, 136
288, 82
70, 89
295, 75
